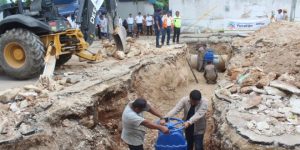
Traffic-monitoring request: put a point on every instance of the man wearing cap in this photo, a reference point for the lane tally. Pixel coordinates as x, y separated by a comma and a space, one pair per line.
134, 123
194, 108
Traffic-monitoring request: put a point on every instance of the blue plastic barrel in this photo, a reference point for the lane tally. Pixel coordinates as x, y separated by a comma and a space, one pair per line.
209, 56
173, 141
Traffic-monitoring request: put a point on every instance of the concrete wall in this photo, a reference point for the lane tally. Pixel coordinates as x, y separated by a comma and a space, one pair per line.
200, 14
125, 8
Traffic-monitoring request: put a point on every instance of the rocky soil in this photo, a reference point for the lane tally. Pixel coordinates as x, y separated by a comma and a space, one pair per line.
257, 105
82, 106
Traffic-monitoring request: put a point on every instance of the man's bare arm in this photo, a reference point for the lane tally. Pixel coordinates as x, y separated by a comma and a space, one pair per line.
151, 125
154, 112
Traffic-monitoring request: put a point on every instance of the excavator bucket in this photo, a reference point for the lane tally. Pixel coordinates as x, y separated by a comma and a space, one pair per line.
119, 36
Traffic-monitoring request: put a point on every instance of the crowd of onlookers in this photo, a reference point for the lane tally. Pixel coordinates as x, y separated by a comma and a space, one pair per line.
138, 25
161, 23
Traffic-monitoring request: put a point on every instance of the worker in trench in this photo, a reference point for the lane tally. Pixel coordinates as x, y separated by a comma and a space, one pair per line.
210, 73
133, 123
205, 63
194, 108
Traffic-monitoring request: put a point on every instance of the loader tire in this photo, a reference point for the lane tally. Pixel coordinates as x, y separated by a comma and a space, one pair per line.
63, 59
21, 54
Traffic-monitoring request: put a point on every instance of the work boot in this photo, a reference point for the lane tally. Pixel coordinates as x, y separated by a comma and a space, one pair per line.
158, 46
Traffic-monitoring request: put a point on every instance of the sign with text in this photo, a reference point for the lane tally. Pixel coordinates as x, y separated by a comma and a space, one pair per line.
245, 24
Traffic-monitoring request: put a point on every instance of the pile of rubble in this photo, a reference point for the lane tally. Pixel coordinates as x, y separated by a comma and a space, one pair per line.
133, 48
260, 98
273, 104
274, 49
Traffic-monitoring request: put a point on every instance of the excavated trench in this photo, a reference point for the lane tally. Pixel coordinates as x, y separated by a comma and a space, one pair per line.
162, 84
96, 122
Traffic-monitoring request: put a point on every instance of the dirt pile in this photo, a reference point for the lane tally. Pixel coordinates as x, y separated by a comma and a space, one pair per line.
274, 48
257, 105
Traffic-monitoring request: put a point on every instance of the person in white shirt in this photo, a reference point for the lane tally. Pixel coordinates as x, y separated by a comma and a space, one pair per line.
167, 26
139, 23
130, 22
103, 26
279, 16
72, 22
120, 21
149, 24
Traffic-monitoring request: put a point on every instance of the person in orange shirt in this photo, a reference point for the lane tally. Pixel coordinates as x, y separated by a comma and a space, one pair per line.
166, 28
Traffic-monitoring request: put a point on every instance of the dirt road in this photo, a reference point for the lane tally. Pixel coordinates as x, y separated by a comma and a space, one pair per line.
6, 82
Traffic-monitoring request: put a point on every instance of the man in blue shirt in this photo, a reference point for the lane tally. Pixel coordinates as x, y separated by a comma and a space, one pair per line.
157, 26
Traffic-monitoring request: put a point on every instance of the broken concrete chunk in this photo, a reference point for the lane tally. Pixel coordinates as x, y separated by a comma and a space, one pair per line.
274, 91
292, 119
43, 106
233, 89
274, 113
28, 95
253, 101
33, 88
26, 129
44, 94
295, 104
110, 51
8, 95
13, 107
263, 126
119, 55
11, 139
107, 44
68, 73
265, 81
24, 104
246, 90
130, 54
234, 73
72, 80
251, 124
69, 123
285, 86
248, 82
259, 91
220, 95
130, 40
298, 129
